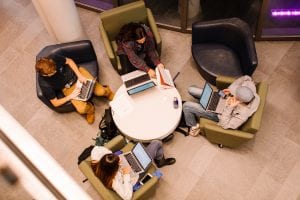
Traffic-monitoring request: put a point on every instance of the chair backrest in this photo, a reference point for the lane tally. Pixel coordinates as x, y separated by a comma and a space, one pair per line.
253, 123
132, 12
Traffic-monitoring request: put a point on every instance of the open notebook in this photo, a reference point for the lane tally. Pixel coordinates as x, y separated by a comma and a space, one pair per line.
164, 78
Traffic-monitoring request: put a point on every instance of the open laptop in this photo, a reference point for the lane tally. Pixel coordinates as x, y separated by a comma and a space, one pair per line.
137, 81
138, 159
86, 89
212, 101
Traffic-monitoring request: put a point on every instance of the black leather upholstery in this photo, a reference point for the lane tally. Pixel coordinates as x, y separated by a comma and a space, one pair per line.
223, 47
82, 52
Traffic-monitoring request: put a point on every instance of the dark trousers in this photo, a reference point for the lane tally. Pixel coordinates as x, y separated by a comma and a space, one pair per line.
128, 67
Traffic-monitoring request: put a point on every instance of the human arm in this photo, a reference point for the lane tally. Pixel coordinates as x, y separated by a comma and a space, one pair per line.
58, 102
122, 185
74, 67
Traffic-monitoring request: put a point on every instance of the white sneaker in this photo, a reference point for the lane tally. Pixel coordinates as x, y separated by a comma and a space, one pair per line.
195, 130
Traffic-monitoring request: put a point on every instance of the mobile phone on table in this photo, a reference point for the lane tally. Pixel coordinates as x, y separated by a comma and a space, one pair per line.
146, 178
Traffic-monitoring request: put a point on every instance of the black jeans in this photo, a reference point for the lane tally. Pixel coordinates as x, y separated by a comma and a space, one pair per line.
128, 67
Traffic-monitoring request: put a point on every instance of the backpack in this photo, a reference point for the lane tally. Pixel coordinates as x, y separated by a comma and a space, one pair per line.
107, 126
85, 154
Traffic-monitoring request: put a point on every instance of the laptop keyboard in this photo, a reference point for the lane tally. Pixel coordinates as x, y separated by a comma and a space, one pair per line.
214, 101
137, 80
85, 88
135, 167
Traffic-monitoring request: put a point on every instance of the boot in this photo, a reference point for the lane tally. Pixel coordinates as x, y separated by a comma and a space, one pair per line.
90, 115
164, 161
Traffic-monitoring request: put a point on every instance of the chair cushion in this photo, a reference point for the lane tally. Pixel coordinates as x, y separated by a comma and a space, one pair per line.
216, 59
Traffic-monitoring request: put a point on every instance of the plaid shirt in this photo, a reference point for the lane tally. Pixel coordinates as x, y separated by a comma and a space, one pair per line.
131, 49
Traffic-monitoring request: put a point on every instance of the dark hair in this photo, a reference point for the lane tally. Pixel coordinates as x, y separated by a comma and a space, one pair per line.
107, 168
131, 31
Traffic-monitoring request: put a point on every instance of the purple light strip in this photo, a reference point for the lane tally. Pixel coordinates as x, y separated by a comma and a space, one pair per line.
285, 12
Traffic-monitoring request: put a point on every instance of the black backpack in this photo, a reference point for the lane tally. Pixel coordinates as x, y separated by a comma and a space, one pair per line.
107, 126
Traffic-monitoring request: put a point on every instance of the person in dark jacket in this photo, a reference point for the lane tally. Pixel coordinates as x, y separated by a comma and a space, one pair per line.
137, 49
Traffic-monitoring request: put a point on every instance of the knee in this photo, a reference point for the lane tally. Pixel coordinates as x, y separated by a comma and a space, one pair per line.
82, 109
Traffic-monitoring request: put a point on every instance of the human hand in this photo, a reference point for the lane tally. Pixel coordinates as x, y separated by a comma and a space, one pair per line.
82, 79
226, 91
232, 101
161, 65
152, 73
126, 170
74, 94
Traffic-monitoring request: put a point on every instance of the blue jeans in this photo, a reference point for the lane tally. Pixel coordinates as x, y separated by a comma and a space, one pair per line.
193, 111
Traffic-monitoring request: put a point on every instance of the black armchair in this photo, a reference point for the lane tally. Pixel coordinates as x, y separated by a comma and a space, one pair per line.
82, 52
223, 47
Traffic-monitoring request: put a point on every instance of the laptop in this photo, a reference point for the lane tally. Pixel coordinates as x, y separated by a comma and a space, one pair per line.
86, 89
212, 101
137, 81
138, 159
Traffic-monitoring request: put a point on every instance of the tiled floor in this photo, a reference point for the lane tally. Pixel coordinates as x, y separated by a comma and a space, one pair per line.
267, 167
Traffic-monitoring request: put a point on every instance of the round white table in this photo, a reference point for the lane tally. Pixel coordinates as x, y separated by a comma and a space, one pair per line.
147, 115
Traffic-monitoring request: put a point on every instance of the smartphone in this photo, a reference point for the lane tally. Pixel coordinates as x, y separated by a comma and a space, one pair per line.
222, 94
145, 179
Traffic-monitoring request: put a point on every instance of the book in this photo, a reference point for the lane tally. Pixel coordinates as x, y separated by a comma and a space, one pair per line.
164, 78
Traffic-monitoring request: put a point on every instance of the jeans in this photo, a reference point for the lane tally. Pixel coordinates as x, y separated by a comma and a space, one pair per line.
155, 150
193, 111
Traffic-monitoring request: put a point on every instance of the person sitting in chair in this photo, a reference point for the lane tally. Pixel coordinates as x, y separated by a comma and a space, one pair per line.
58, 73
106, 166
242, 101
137, 50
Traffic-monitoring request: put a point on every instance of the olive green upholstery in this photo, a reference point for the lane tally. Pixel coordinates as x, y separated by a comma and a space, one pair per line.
117, 143
229, 137
112, 20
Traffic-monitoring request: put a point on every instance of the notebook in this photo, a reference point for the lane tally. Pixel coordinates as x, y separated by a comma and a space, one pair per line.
138, 159
212, 101
164, 78
137, 81
86, 89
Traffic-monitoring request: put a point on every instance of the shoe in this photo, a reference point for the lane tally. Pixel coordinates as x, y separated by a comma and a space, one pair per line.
108, 93
194, 130
164, 161
168, 138
90, 116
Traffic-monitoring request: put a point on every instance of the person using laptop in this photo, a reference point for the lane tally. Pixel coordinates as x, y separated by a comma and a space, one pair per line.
107, 167
137, 49
58, 73
241, 102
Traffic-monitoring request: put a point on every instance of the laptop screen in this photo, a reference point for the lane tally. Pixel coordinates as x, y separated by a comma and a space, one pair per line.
141, 155
206, 93
141, 88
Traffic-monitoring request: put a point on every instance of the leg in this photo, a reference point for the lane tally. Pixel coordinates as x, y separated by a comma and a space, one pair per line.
82, 107
193, 111
99, 90
195, 91
126, 64
156, 151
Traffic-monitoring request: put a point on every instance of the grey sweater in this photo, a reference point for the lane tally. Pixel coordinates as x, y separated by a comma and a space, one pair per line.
234, 117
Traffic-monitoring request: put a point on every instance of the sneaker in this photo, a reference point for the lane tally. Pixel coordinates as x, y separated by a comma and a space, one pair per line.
194, 130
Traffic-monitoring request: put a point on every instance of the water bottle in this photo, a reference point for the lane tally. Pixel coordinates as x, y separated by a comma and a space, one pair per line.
175, 102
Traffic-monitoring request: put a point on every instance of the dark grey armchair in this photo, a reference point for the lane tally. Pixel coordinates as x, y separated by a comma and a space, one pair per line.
82, 52
223, 47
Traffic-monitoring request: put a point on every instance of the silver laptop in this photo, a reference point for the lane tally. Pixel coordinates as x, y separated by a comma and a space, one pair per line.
86, 90
138, 159
212, 101
137, 81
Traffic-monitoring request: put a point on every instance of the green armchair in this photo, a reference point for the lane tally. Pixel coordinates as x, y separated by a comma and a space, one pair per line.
117, 143
229, 137
112, 20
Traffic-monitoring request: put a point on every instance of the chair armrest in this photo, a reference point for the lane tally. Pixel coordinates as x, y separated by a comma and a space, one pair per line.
116, 143
154, 29
108, 48
223, 82
226, 137
147, 189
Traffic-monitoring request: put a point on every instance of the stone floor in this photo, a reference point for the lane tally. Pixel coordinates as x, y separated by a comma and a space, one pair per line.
267, 167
